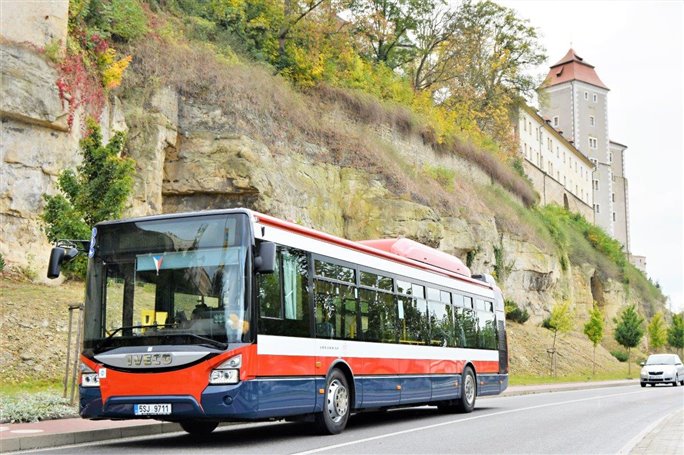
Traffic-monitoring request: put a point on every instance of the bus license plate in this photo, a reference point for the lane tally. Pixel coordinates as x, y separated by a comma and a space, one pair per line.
155, 409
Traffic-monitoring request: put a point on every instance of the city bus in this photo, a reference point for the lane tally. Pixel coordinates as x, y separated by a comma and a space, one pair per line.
234, 315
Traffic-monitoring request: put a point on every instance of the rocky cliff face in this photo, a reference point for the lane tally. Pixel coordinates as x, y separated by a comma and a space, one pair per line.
191, 156
36, 146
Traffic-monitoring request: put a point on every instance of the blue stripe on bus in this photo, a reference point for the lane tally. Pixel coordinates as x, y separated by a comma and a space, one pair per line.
282, 397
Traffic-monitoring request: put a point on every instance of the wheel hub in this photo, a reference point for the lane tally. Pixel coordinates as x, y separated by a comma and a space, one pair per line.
338, 400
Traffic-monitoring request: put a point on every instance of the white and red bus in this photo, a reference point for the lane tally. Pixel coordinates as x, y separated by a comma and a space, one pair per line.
228, 315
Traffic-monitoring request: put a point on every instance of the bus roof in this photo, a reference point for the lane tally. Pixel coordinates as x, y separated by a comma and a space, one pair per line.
404, 251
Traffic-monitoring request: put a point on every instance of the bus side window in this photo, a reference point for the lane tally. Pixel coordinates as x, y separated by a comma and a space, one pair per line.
283, 296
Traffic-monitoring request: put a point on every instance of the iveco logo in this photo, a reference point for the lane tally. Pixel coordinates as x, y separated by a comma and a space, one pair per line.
149, 360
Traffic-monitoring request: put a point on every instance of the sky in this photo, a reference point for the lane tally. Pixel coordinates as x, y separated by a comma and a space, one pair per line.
637, 50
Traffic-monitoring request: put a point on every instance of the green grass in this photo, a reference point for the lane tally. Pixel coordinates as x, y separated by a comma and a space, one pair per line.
578, 377
36, 386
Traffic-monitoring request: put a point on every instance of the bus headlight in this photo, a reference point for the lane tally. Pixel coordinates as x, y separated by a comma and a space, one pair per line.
88, 377
228, 372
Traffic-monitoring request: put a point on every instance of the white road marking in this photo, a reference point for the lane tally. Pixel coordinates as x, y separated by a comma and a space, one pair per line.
451, 422
27, 431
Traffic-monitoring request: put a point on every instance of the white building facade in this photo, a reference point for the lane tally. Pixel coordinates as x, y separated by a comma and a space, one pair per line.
559, 172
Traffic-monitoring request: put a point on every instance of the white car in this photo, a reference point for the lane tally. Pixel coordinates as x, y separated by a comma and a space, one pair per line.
662, 369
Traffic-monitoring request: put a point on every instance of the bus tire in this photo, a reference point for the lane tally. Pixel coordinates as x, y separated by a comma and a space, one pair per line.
336, 405
466, 402
198, 427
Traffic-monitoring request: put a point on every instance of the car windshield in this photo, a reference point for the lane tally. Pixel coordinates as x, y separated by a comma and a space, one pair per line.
661, 359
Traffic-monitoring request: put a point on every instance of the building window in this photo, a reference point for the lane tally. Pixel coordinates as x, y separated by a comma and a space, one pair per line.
565, 181
555, 121
613, 197
550, 168
524, 125
558, 151
610, 157
564, 156
593, 160
593, 143
559, 176
592, 120
613, 216
549, 144
597, 208
529, 126
595, 97
586, 95
596, 185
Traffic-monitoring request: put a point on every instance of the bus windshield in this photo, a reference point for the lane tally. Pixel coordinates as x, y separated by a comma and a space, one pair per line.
169, 281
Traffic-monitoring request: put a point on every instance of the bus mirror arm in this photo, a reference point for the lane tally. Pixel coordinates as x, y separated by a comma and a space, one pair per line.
64, 252
264, 261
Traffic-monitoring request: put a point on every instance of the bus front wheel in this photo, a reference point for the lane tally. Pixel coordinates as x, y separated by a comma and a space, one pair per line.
198, 427
336, 406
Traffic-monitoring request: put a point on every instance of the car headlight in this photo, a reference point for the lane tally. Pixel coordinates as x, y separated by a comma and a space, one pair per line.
228, 372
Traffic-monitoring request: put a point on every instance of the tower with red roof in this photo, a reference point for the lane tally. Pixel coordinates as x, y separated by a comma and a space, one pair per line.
575, 100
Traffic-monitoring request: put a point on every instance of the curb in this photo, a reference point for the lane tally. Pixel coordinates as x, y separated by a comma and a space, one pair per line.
78, 437
564, 387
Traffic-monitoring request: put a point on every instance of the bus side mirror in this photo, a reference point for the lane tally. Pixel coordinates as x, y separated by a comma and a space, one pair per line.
264, 262
59, 256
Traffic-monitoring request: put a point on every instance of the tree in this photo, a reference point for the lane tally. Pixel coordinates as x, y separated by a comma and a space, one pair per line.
97, 191
675, 334
593, 329
562, 319
496, 49
629, 331
657, 331
384, 28
436, 50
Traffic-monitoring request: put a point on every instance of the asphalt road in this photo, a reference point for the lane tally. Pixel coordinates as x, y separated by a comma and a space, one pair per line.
607, 420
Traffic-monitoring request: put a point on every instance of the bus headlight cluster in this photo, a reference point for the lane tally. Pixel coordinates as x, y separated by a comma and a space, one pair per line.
228, 372
88, 377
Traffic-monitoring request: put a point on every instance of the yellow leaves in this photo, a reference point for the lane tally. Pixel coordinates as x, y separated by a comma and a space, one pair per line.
111, 69
113, 74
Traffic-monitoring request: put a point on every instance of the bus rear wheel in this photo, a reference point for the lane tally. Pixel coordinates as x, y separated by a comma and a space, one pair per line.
336, 406
466, 403
198, 427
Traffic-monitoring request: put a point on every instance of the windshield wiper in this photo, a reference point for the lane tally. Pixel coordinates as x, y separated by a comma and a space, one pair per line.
208, 341
104, 342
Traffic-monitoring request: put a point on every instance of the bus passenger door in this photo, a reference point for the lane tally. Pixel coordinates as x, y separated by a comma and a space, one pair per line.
380, 385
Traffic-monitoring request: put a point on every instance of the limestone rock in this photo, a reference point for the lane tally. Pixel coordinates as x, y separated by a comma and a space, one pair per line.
28, 91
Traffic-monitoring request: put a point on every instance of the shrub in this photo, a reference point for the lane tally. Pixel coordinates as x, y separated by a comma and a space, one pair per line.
2, 263
620, 355
515, 313
32, 407
96, 192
